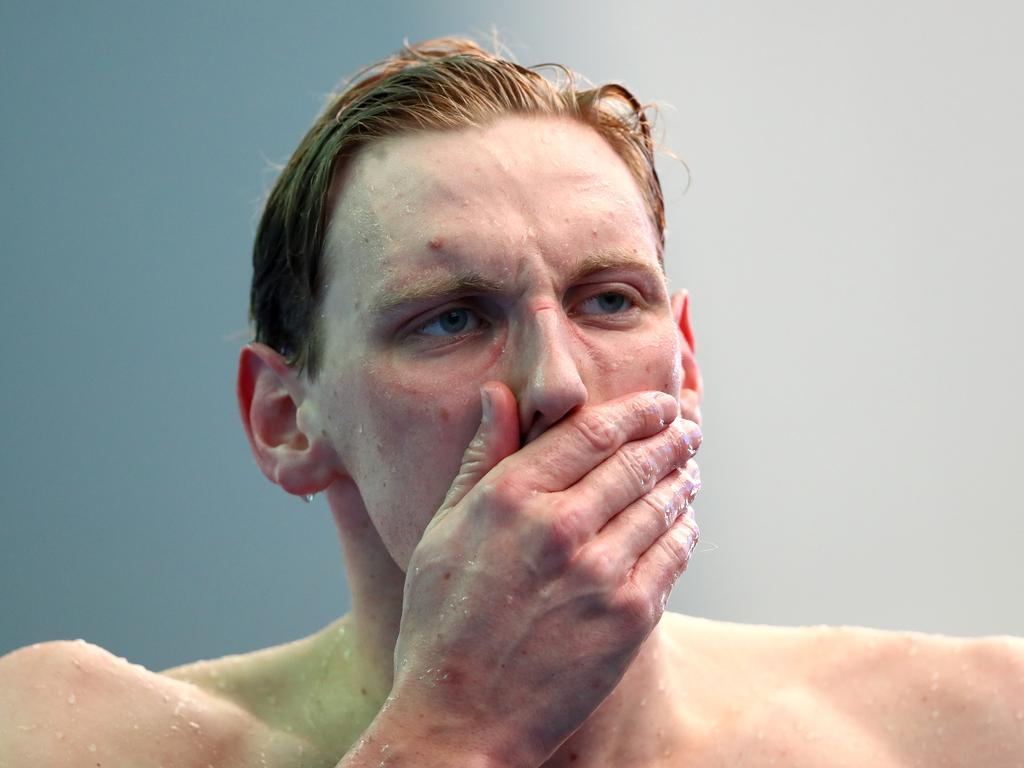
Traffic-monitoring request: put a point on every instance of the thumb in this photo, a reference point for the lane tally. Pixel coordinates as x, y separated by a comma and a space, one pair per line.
496, 438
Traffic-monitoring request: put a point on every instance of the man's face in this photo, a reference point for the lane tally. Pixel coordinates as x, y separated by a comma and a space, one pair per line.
522, 253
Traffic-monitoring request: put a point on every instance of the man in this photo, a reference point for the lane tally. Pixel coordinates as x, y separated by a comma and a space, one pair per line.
464, 338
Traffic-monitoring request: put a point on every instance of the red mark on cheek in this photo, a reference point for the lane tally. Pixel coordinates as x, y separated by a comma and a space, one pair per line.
445, 416
436, 243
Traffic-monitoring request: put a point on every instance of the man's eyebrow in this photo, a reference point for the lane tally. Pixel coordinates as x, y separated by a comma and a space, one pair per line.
613, 259
433, 287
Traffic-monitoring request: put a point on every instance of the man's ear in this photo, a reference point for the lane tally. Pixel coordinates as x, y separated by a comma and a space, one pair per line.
692, 388
282, 423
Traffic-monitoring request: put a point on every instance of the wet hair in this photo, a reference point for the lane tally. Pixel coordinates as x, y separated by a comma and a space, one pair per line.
443, 84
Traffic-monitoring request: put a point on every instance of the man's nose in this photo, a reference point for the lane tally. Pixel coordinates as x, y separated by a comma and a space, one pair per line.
550, 385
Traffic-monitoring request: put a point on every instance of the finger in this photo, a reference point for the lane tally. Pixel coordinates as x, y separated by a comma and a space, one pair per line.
495, 438
656, 571
570, 449
631, 473
631, 532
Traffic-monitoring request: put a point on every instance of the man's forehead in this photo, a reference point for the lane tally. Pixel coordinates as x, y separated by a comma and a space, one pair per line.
435, 201
464, 166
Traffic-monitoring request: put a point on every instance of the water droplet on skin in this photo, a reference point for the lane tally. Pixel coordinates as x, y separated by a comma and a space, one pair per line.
307, 497
935, 713
71, 699
92, 747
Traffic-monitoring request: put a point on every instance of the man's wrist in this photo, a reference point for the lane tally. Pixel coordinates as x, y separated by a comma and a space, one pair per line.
400, 738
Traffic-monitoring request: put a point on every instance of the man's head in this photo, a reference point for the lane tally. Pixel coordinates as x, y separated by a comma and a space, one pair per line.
441, 84
521, 248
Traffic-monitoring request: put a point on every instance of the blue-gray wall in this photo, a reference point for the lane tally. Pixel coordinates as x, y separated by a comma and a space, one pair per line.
852, 241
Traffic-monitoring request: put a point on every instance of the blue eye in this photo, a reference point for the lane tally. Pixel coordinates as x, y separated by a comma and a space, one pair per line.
451, 322
610, 302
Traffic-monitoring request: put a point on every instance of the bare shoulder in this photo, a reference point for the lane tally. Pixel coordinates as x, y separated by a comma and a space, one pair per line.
909, 697
74, 703
934, 684
866, 696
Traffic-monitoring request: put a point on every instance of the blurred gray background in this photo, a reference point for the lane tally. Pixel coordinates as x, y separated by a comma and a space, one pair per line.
852, 241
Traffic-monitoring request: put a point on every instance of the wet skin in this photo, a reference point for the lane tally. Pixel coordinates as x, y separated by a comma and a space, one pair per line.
563, 300
558, 294
382, 431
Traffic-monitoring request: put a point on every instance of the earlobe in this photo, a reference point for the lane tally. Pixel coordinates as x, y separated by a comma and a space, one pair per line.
692, 388
281, 422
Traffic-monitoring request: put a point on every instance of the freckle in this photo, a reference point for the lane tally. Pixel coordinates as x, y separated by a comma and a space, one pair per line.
363, 690
436, 242
573, 757
447, 576
445, 415
647, 368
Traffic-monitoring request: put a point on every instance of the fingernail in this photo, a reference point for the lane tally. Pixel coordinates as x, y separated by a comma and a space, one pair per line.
485, 402
693, 438
668, 405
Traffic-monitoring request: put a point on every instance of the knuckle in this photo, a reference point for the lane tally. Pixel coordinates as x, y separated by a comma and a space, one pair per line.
563, 530
600, 432
502, 494
657, 506
597, 567
677, 548
635, 610
638, 468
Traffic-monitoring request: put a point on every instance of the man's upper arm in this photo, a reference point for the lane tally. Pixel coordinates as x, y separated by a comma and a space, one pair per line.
72, 703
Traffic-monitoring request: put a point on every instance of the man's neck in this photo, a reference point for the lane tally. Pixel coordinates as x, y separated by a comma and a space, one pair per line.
639, 723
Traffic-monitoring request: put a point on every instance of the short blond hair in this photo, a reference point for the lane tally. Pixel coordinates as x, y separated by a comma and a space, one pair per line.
447, 83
